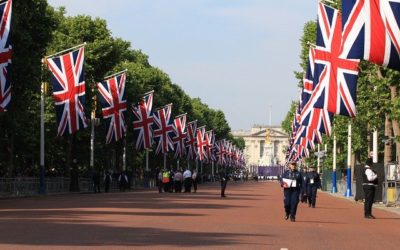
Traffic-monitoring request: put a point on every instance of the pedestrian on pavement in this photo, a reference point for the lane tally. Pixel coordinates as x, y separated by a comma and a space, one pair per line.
194, 180
123, 181
370, 179
291, 182
313, 182
107, 181
178, 179
96, 181
223, 177
303, 188
187, 179
159, 177
166, 180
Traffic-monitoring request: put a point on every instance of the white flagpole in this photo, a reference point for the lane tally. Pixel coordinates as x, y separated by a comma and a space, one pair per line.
334, 188
147, 159
42, 189
124, 156
348, 191
375, 146
69, 49
318, 160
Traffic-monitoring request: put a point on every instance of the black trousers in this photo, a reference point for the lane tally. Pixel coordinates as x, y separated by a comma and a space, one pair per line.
312, 195
369, 194
291, 201
223, 187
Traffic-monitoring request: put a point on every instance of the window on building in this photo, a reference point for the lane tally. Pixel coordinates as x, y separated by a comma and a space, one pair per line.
262, 143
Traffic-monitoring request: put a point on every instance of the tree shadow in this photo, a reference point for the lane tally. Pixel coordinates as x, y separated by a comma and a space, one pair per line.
54, 232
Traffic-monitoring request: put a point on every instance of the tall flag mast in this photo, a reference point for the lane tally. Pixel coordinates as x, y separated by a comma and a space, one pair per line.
5, 54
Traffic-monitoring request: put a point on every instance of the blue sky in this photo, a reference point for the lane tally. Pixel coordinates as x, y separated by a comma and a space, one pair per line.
236, 55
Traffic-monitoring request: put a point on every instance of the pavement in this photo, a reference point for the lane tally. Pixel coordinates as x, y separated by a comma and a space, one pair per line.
251, 217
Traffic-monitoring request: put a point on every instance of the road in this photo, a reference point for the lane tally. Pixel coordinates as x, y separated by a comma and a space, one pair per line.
251, 217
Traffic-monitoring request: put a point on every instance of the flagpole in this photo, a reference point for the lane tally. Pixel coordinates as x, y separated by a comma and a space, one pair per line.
69, 49
334, 188
93, 118
42, 189
318, 160
348, 191
124, 155
375, 146
165, 161
147, 159
212, 170
115, 74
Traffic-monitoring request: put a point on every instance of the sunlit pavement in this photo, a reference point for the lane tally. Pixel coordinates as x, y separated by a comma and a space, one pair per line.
251, 217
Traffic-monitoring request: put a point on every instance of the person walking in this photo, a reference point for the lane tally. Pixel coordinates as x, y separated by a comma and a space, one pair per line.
107, 181
313, 182
178, 179
123, 181
223, 177
96, 181
187, 179
303, 188
194, 180
159, 177
370, 179
291, 182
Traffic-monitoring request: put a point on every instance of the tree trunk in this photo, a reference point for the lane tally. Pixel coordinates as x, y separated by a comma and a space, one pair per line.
395, 124
388, 145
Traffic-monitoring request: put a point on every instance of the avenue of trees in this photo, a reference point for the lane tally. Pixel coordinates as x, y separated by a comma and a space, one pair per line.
378, 107
39, 30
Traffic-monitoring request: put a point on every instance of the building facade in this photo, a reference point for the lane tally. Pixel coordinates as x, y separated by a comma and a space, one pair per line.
265, 145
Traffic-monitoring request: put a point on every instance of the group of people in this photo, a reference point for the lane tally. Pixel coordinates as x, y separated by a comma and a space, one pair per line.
170, 181
123, 181
303, 186
299, 186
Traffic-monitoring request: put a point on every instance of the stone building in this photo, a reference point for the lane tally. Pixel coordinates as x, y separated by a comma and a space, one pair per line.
265, 145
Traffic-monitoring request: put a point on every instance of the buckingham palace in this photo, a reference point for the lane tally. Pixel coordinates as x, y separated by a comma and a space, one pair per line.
265, 145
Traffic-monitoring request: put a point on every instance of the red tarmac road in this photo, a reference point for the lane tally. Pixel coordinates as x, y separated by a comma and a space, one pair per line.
251, 217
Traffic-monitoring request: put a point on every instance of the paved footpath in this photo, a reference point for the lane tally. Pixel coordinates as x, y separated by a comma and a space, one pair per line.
251, 217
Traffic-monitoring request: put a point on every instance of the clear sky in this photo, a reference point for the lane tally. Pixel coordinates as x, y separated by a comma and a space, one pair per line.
236, 55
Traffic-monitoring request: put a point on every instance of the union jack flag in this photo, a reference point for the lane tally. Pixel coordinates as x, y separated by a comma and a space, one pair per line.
221, 152
308, 85
180, 136
201, 142
338, 75
113, 103
5, 54
371, 31
191, 140
69, 91
163, 129
209, 138
143, 122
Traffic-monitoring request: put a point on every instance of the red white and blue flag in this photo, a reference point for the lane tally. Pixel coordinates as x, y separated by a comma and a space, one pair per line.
113, 103
163, 130
143, 122
209, 138
371, 31
5, 54
221, 159
180, 136
191, 140
336, 74
69, 90
201, 142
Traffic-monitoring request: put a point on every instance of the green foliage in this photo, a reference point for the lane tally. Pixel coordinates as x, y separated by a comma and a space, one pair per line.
40, 30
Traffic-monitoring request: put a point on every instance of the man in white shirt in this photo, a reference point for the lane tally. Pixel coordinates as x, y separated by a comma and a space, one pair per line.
370, 179
187, 180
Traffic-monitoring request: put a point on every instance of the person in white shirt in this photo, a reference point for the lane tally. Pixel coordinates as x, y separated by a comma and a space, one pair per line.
187, 180
370, 179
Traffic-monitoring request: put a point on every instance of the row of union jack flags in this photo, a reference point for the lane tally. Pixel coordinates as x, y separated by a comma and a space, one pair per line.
149, 127
185, 138
364, 30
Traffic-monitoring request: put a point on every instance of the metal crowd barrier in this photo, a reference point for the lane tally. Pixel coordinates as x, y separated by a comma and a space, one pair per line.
29, 186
